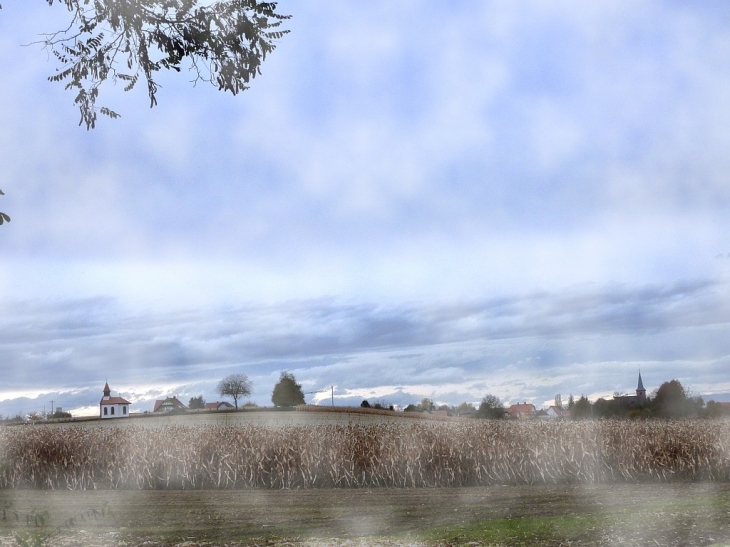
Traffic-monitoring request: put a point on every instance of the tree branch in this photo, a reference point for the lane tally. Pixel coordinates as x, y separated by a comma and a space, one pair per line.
224, 44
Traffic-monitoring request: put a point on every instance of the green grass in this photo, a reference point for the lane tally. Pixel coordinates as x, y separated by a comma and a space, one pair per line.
524, 531
689, 514
686, 514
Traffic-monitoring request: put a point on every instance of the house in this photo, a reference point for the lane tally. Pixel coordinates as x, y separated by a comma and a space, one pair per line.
633, 400
112, 407
218, 405
555, 412
169, 404
523, 411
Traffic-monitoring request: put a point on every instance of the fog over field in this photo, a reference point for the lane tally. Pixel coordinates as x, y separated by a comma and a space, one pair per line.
411, 201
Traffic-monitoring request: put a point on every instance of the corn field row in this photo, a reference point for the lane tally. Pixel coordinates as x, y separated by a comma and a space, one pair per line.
414, 454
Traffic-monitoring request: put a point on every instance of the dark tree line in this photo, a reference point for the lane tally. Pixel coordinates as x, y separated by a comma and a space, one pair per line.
671, 400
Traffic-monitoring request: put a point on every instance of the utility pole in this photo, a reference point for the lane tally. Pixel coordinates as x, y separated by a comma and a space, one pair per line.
52, 401
320, 391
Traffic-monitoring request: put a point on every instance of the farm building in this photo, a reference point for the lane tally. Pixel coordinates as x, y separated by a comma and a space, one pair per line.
169, 404
112, 407
218, 405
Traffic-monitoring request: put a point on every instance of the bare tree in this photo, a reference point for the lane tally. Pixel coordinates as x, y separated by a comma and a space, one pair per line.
235, 385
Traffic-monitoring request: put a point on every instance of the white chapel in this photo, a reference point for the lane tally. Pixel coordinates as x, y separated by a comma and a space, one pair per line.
112, 407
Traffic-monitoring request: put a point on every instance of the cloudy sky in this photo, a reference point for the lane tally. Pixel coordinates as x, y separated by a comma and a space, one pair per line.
414, 199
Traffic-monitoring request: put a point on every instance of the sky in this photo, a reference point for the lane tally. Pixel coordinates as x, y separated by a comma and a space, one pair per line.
414, 199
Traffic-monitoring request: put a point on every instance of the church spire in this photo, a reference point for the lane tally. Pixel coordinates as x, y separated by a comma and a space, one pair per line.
640, 391
107, 391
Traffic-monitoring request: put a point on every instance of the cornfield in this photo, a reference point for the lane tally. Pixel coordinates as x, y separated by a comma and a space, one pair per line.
388, 454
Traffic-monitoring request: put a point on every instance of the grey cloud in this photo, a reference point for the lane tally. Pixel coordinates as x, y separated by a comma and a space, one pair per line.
360, 345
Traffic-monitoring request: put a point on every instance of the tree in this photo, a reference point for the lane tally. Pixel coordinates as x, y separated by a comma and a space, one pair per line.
571, 402
365, 404
235, 385
287, 392
196, 402
672, 401
581, 409
427, 404
558, 401
3, 216
224, 43
465, 408
491, 408
713, 410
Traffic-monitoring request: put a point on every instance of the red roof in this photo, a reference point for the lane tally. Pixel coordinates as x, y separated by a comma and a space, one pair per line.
526, 408
114, 401
170, 401
217, 405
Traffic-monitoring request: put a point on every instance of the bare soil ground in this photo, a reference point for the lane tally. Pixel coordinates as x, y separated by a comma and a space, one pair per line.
657, 514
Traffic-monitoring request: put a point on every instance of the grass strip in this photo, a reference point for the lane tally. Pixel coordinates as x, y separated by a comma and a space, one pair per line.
523, 531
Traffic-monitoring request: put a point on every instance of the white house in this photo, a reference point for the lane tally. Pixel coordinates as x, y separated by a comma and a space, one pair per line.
556, 412
112, 407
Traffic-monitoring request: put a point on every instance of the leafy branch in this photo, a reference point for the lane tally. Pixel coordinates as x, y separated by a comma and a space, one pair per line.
3, 216
128, 40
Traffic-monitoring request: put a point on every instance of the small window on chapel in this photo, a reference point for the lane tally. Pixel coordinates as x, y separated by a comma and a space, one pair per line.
105, 411
124, 410
112, 411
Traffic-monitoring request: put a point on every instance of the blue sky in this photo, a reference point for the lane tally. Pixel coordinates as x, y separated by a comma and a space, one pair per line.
413, 200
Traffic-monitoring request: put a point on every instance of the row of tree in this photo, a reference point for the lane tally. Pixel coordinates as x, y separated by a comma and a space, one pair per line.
489, 408
287, 392
671, 400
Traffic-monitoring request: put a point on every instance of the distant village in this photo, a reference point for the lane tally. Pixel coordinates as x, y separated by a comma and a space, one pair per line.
670, 400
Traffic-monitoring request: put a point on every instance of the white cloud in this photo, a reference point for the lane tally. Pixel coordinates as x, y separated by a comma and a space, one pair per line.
390, 164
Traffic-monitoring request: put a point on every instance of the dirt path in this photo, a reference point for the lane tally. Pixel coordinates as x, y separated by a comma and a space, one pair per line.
680, 514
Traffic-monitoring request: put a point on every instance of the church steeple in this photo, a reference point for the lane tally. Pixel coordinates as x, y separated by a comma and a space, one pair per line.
107, 391
640, 391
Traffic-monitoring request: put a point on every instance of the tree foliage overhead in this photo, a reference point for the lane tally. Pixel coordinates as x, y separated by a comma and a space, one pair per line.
287, 392
235, 385
224, 43
3, 216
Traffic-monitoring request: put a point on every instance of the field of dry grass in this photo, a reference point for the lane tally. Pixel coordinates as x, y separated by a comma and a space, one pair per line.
412, 453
